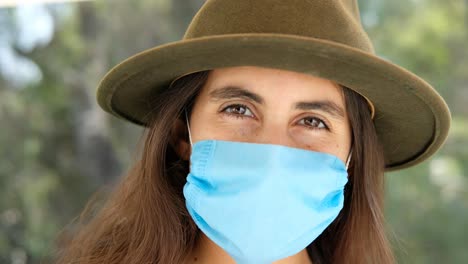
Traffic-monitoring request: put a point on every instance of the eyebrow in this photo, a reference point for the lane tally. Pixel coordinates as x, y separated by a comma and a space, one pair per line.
229, 92
326, 106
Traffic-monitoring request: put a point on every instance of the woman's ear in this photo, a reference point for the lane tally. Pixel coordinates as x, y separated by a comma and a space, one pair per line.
179, 139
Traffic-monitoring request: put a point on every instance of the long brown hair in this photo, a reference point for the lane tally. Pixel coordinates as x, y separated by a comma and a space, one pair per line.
144, 220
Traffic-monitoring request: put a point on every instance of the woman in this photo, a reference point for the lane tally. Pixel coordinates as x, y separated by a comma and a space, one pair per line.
270, 126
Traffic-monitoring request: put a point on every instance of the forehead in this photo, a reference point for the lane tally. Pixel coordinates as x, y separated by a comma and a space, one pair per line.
274, 82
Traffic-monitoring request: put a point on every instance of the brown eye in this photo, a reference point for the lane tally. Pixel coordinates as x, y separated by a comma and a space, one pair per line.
238, 109
313, 123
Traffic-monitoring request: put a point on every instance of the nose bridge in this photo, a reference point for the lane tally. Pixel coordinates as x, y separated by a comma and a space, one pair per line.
274, 132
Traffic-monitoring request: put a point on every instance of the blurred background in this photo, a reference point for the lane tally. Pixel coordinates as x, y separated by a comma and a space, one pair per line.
57, 147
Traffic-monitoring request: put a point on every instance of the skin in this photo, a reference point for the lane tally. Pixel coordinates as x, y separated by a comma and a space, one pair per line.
265, 111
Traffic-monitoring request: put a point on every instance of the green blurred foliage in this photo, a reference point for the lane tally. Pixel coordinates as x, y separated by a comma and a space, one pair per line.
427, 205
59, 147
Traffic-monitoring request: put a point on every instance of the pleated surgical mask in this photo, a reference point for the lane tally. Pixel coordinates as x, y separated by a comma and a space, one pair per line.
262, 202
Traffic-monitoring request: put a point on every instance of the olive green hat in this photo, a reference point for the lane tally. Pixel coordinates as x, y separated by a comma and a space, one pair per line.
323, 38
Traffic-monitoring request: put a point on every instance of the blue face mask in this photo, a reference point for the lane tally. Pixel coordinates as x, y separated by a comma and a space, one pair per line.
262, 202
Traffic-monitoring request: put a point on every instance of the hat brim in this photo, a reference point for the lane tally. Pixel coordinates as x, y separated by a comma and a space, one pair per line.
411, 119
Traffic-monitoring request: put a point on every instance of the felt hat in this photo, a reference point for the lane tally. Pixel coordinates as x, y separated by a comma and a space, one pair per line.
323, 38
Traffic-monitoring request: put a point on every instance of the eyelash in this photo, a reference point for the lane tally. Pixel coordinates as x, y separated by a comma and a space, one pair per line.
235, 114
242, 116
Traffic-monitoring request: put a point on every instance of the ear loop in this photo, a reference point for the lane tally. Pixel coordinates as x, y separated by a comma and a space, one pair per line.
188, 127
349, 158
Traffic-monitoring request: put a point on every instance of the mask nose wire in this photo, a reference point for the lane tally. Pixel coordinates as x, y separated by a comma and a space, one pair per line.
188, 127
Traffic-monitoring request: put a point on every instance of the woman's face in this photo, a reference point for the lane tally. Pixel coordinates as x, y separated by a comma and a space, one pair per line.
264, 105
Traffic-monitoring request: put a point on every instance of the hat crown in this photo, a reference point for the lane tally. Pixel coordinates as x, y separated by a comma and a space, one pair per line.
333, 20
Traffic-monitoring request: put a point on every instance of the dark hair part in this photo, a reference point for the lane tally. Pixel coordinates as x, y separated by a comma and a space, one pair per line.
145, 219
